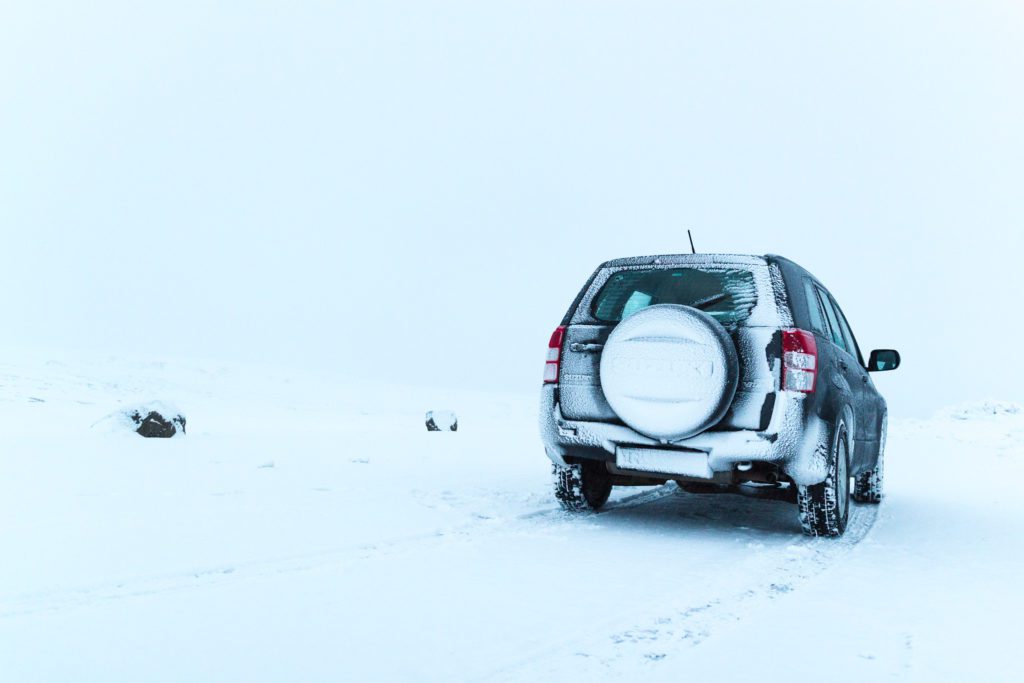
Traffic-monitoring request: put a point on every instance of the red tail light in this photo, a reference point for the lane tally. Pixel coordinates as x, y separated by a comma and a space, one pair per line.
799, 361
554, 355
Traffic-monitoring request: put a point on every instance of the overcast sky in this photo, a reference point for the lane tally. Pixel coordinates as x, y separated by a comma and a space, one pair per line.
416, 191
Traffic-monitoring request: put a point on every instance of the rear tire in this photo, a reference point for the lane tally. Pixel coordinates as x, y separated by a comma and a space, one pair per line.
825, 507
584, 487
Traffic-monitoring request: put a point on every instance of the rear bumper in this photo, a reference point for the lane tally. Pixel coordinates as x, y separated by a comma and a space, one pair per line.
796, 441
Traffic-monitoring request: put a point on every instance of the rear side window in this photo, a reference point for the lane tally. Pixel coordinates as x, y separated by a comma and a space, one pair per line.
814, 310
833, 320
727, 295
851, 341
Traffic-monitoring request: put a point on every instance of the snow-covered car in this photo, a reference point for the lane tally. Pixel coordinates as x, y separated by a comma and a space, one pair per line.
715, 371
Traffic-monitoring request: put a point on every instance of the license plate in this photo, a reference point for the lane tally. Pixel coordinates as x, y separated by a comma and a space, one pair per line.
685, 463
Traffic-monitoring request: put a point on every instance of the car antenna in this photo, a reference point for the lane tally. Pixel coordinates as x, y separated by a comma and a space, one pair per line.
690, 235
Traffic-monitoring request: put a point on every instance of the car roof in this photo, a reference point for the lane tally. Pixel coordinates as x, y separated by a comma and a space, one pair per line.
788, 264
713, 259
687, 260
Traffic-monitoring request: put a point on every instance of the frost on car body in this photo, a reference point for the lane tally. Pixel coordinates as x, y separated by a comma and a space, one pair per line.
721, 368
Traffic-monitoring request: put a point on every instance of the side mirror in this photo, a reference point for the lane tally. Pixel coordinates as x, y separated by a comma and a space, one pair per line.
883, 359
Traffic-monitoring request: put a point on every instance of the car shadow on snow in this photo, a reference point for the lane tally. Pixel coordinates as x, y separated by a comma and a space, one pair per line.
673, 510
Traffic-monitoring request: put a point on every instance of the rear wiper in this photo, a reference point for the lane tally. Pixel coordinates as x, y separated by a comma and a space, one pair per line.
709, 301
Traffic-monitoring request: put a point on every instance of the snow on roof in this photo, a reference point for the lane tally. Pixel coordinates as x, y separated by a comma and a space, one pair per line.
688, 259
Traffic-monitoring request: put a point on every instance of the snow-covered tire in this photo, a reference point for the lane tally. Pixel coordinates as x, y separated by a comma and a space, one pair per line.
825, 508
867, 486
583, 487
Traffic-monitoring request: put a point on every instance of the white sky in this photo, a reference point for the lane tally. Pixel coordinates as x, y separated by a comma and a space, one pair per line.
417, 190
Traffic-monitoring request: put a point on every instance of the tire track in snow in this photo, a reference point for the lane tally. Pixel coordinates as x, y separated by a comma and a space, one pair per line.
693, 622
658, 629
136, 587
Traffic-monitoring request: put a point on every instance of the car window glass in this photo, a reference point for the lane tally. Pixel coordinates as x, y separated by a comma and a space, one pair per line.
833, 320
728, 295
814, 310
635, 302
851, 341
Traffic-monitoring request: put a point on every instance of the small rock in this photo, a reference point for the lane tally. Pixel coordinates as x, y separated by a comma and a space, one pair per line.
442, 421
155, 425
149, 419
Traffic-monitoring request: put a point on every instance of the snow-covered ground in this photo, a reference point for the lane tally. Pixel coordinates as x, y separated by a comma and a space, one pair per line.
310, 529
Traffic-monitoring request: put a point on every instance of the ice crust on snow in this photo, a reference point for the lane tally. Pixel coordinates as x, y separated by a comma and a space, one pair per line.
995, 426
981, 409
139, 547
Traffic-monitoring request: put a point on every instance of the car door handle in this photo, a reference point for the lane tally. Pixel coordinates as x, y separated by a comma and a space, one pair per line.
585, 348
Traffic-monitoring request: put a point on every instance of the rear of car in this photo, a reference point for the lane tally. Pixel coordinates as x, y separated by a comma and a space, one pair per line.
706, 381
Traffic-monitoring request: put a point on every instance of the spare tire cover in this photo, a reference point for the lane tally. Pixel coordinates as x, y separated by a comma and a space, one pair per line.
669, 371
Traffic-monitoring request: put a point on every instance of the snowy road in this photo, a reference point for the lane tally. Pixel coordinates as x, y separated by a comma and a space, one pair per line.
301, 532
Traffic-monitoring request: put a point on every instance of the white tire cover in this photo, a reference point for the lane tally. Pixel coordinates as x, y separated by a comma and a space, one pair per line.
669, 371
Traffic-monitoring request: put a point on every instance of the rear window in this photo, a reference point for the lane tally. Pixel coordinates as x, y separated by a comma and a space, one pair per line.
728, 295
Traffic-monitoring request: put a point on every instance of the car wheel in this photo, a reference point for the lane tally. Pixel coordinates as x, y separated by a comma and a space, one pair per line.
582, 487
825, 507
867, 486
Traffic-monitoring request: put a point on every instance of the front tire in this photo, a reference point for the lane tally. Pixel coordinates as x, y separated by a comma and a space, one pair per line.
825, 507
867, 486
583, 487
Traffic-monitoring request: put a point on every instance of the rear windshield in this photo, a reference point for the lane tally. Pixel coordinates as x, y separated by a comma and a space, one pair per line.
727, 295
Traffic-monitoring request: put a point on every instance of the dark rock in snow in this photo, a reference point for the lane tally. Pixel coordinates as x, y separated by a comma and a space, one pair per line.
442, 421
151, 419
155, 425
